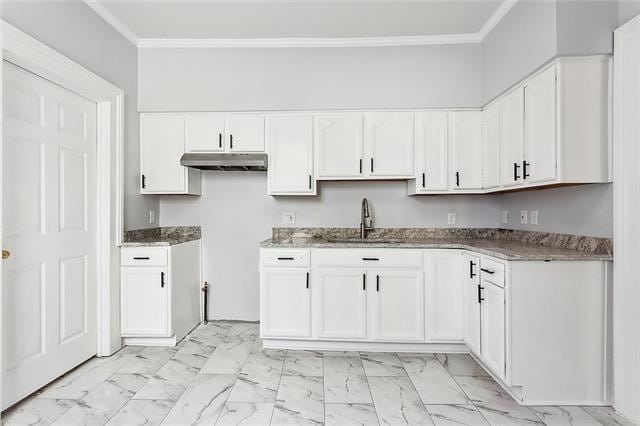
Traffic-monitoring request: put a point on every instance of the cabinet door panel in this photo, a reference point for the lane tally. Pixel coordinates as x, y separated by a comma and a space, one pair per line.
511, 124
285, 302
204, 132
490, 147
339, 146
161, 146
493, 327
471, 266
540, 127
144, 302
398, 304
431, 151
444, 295
466, 149
290, 148
340, 302
245, 133
389, 144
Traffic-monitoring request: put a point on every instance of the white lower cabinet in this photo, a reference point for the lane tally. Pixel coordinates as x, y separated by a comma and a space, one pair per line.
444, 295
492, 326
150, 285
340, 301
285, 299
472, 295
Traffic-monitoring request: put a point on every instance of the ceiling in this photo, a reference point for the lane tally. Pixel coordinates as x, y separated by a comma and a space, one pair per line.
276, 19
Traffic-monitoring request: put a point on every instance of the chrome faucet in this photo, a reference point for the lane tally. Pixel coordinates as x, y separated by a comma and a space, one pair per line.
364, 215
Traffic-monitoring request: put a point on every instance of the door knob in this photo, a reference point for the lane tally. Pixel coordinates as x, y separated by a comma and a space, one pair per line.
5, 254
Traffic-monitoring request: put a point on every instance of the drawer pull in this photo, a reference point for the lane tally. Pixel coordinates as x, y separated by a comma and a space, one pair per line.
141, 258
162, 279
285, 258
374, 259
488, 271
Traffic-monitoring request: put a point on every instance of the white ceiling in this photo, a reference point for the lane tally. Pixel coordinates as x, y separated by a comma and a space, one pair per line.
269, 19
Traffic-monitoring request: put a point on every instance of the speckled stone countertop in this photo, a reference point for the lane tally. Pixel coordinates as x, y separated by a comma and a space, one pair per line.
500, 243
159, 237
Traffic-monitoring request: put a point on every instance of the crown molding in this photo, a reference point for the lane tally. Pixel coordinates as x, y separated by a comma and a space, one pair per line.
111, 19
495, 18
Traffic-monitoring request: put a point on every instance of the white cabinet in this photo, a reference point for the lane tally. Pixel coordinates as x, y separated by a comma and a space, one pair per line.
511, 133
465, 141
149, 285
389, 144
431, 159
339, 146
471, 268
398, 304
490, 147
340, 302
290, 149
204, 132
444, 284
245, 132
161, 146
285, 300
492, 308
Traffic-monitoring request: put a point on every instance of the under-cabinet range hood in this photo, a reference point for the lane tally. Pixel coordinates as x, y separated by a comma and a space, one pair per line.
225, 162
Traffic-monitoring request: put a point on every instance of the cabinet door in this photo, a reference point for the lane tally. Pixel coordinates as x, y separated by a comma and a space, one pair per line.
511, 134
490, 147
161, 146
290, 148
493, 327
466, 149
144, 301
444, 295
431, 151
285, 302
204, 132
540, 128
398, 304
339, 146
244, 133
340, 303
389, 144
471, 266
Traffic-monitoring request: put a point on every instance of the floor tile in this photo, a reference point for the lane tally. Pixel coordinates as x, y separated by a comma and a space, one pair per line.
607, 416
259, 378
203, 401
345, 380
449, 415
169, 383
461, 365
432, 381
397, 402
341, 353
246, 413
229, 356
564, 416
303, 363
36, 411
294, 388
382, 364
299, 401
141, 412
414, 355
350, 414
494, 403
149, 361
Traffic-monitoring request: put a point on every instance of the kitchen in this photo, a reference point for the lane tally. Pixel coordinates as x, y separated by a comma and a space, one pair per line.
383, 216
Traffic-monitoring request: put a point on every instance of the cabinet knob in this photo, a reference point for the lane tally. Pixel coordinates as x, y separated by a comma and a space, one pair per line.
6, 254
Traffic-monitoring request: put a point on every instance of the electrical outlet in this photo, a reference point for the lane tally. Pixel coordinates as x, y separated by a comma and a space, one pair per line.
451, 218
152, 216
288, 218
523, 216
534, 217
504, 216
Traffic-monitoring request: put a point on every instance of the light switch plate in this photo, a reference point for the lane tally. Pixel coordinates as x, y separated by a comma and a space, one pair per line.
288, 218
534, 217
451, 218
523, 216
504, 216
152, 216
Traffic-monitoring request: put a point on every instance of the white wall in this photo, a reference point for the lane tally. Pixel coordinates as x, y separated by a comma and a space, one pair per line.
76, 31
236, 214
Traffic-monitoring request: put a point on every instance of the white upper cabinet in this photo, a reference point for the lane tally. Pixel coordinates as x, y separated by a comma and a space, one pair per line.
465, 133
204, 132
290, 149
444, 284
511, 133
339, 146
161, 146
389, 144
245, 133
490, 147
431, 151
539, 164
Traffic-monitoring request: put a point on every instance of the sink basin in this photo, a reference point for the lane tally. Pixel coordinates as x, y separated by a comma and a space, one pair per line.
363, 240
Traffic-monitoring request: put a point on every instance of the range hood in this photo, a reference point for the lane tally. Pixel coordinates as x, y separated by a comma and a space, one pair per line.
225, 162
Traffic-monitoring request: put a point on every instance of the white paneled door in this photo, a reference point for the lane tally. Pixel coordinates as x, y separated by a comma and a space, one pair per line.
49, 221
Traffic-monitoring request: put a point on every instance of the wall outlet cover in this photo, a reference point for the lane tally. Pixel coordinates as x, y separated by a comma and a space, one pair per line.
288, 218
451, 218
523, 216
504, 216
534, 217
152, 216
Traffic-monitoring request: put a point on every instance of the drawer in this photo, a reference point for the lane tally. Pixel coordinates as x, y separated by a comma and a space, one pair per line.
365, 258
144, 256
492, 271
284, 257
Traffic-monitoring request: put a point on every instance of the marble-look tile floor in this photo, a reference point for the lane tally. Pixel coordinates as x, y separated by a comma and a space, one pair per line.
220, 374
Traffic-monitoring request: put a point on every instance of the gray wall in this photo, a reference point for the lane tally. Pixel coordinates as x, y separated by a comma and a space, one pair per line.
627, 9
236, 214
76, 31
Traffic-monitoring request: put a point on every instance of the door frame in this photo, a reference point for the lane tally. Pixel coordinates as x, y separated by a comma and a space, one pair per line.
30, 54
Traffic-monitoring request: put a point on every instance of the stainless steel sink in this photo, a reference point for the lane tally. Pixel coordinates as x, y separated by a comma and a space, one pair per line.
363, 241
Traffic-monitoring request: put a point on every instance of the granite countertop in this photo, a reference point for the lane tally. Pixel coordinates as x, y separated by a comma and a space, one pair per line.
501, 244
161, 237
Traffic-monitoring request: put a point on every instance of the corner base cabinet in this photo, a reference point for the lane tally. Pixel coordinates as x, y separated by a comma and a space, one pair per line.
160, 297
